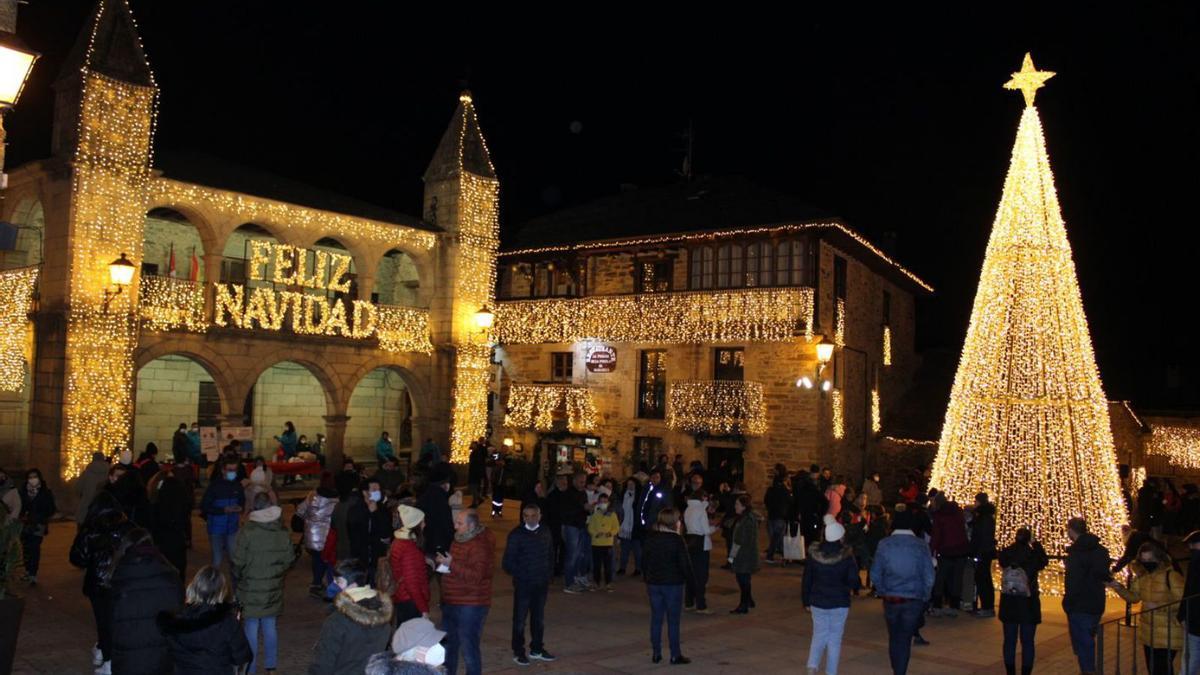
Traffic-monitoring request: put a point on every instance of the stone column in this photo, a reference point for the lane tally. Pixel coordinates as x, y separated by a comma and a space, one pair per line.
335, 440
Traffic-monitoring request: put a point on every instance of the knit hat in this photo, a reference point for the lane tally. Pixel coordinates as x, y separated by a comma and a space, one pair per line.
418, 632
834, 532
410, 517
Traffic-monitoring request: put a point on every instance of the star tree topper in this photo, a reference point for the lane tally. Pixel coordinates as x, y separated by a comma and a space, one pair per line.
1028, 80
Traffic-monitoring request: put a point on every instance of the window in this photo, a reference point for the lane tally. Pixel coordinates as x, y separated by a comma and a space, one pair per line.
729, 266
149, 269
233, 271
562, 366
791, 263
655, 276
208, 406
652, 384
646, 449
701, 268
729, 363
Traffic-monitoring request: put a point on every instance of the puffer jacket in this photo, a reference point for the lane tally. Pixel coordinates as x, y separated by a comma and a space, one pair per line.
261, 557
410, 573
665, 559
829, 576
529, 556
471, 563
97, 541
317, 510
360, 626
143, 585
1158, 628
204, 639
220, 494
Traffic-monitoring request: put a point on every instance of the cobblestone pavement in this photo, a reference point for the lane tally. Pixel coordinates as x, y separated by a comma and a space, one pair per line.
590, 633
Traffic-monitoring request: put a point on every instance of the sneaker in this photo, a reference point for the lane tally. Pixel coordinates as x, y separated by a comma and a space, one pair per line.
104, 669
984, 614
573, 590
97, 656
680, 660
542, 656
521, 660
706, 611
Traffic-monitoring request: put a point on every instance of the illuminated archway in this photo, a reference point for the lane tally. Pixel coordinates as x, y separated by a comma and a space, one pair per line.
170, 390
382, 400
287, 391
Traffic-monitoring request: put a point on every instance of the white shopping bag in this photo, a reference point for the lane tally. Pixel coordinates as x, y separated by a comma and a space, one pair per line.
793, 547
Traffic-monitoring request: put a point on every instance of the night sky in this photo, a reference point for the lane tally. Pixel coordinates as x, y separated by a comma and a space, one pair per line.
895, 122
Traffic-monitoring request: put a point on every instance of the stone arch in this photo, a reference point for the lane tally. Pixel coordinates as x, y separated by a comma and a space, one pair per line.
358, 271
283, 390
214, 363
168, 229
234, 250
209, 229
375, 400
400, 269
331, 385
169, 390
30, 220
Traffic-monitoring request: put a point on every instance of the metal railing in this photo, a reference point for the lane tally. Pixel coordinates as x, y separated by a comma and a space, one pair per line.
1118, 643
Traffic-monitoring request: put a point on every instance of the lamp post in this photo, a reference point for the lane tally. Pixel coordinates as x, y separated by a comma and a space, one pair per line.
824, 356
16, 61
120, 273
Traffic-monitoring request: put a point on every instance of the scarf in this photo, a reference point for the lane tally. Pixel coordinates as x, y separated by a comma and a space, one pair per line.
464, 537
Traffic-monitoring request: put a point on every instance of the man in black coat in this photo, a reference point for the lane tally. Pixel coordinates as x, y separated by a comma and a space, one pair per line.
370, 527
983, 550
181, 445
476, 470
435, 504
806, 508
1083, 597
529, 560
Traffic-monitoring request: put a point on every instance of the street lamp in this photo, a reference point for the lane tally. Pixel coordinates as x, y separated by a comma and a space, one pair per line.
15, 63
824, 356
120, 273
484, 318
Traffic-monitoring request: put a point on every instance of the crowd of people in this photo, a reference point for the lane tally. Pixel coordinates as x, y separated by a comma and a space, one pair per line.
381, 547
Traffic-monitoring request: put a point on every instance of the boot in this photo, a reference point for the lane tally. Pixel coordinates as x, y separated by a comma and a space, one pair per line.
1026, 670
1010, 669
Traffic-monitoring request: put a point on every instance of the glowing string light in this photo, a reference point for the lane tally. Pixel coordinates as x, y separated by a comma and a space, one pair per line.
16, 288
1180, 445
717, 407
169, 304
534, 406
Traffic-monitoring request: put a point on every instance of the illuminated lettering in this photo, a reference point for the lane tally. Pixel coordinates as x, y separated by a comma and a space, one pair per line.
260, 255
338, 282
228, 303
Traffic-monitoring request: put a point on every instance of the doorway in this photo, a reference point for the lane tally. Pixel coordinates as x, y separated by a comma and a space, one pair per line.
735, 469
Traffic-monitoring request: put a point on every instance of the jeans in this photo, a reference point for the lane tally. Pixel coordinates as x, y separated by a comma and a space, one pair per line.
320, 570
828, 625
1082, 628
222, 547
270, 641
464, 627
666, 601
694, 594
31, 547
630, 546
747, 599
1192, 660
573, 554
602, 564
984, 589
902, 620
1026, 631
1159, 661
775, 529
529, 600
948, 581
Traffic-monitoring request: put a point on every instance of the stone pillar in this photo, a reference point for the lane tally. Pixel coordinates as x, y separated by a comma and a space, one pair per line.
335, 440
366, 285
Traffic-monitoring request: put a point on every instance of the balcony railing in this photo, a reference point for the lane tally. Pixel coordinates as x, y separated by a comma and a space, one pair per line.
717, 408
761, 315
168, 303
535, 406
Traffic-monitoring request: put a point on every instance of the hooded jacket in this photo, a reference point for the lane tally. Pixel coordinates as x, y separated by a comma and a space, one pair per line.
262, 555
204, 639
1158, 628
97, 541
317, 510
360, 626
93, 478
829, 576
143, 585
1086, 573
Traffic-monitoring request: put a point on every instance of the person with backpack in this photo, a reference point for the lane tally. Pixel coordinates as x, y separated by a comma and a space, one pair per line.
1020, 599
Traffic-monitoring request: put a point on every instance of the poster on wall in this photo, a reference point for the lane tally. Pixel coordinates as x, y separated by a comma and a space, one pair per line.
210, 442
601, 359
243, 435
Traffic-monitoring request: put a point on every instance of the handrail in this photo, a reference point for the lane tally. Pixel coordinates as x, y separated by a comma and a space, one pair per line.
1127, 622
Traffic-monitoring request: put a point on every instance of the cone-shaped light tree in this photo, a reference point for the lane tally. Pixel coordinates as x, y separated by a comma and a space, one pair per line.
1028, 420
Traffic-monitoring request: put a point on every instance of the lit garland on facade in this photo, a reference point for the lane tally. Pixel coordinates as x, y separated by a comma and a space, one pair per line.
169, 304
768, 315
909, 442
839, 330
1028, 420
1137, 479
717, 407
16, 287
111, 169
876, 413
532, 406
403, 329
1181, 445
247, 208
839, 414
887, 345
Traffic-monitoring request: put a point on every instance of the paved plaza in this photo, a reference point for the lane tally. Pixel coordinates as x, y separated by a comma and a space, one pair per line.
590, 633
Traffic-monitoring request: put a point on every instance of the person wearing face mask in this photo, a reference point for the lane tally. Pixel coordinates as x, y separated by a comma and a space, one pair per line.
223, 502
370, 527
37, 508
602, 526
407, 561
359, 626
529, 560
466, 590
416, 649
1158, 585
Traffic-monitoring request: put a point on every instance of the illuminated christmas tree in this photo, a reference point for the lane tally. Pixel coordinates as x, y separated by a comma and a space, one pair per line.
1028, 420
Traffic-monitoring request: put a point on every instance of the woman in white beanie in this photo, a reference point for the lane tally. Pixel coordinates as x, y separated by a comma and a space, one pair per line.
830, 576
409, 572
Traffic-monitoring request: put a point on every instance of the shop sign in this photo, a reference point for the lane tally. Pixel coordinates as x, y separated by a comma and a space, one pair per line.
601, 359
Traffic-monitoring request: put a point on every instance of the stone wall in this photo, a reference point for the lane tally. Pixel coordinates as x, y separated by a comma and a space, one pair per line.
161, 234
287, 392
397, 281
379, 403
610, 275
14, 416
168, 393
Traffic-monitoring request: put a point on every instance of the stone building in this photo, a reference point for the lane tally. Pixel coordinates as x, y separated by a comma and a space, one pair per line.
687, 319
254, 300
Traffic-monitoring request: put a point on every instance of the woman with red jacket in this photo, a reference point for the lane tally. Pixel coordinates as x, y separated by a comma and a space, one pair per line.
411, 597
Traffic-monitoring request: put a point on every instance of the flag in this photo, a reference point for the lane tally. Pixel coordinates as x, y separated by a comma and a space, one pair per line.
171, 262
194, 272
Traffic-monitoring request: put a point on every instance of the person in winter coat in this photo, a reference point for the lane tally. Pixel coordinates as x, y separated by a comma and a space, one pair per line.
699, 531
126, 485
147, 464
360, 625
477, 471
143, 584
171, 511
37, 508
529, 560
348, 478
370, 528
435, 504
808, 507
181, 445
93, 549
1020, 614
262, 555
317, 510
1156, 584
830, 576
1083, 590
743, 557
602, 528
222, 505
779, 507
467, 590
668, 568
261, 479
983, 550
389, 476
409, 572
950, 547
871, 489
204, 637
1134, 539
627, 514
288, 440
90, 482
384, 450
